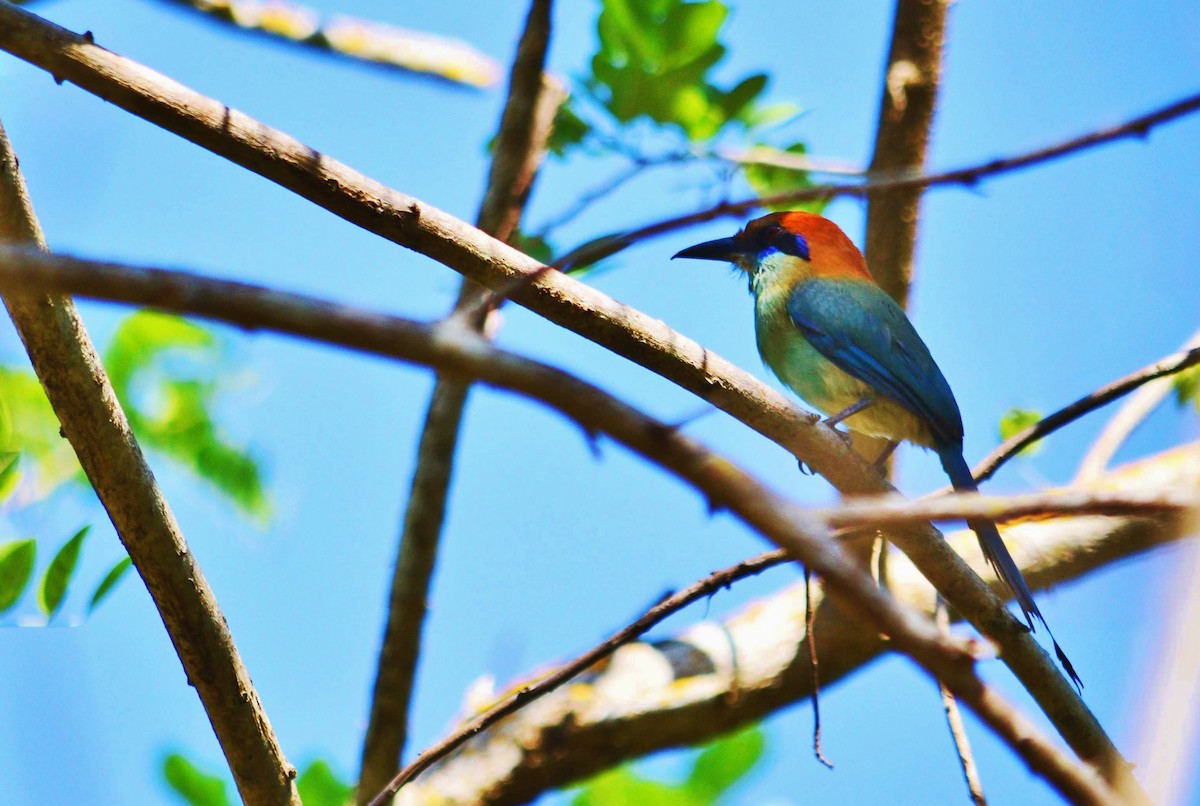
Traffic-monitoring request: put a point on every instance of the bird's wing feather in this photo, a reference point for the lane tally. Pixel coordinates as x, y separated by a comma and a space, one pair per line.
859, 328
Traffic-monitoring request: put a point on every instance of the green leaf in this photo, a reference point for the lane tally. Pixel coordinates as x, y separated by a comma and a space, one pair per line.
535, 246
170, 409
569, 131
1187, 387
34, 431
1016, 420
318, 786
771, 180
55, 581
141, 338
16, 568
10, 473
723, 763
106, 586
193, 786
623, 787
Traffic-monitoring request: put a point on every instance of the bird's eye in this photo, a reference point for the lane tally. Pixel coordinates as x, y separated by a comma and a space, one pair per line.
790, 243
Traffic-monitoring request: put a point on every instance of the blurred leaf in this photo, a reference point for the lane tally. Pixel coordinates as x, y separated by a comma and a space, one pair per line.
318, 786
195, 787
623, 787
770, 180
723, 763
535, 246
715, 770
1016, 420
1187, 387
16, 568
106, 586
654, 60
33, 430
170, 411
57, 578
569, 130
10, 473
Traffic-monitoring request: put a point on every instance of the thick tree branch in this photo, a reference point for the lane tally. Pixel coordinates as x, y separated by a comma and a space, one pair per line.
906, 107
456, 349
524, 127
363, 41
92, 420
560, 299
720, 676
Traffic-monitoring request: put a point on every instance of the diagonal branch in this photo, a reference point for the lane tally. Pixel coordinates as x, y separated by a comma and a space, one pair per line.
1084, 405
567, 302
363, 41
92, 420
524, 128
463, 352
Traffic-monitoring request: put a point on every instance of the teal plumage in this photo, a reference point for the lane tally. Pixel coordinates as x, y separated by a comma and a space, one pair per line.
841, 343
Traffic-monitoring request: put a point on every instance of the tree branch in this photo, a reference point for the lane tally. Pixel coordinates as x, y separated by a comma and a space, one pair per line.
92, 420
456, 349
756, 662
1084, 405
967, 176
906, 108
363, 41
562, 300
524, 127
1125, 421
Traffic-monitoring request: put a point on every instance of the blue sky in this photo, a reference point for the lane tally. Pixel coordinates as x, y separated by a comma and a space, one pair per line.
1032, 289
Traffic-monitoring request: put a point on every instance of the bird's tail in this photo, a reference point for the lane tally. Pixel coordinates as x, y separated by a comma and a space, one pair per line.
997, 553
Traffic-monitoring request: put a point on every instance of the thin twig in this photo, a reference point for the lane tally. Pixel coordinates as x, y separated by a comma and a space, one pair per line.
566, 302
565, 672
524, 127
722, 483
958, 731
968, 176
364, 41
1084, 405
1125, 421
593, 195
893, 509
810, 618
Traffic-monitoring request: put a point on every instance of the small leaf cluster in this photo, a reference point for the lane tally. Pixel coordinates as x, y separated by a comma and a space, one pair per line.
317, 784
164, 370
715, 771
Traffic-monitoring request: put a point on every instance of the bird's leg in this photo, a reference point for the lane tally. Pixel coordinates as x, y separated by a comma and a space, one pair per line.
886, 454
849, 411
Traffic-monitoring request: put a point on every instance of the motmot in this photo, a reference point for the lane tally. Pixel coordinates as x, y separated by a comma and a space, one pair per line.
841, 343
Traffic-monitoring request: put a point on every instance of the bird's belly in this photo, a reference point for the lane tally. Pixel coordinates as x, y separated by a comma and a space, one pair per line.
831, 390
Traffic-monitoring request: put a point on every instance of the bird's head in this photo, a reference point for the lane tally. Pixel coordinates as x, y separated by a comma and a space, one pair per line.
786, 248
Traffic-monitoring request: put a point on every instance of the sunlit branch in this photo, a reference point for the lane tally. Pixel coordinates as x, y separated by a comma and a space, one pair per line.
361, 40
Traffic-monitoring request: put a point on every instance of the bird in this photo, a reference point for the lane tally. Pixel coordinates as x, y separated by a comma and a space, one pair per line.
840, 342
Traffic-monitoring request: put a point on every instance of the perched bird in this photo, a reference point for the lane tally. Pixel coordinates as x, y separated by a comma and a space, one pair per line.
842, 344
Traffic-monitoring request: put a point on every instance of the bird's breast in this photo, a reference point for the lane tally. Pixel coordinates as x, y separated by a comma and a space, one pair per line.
821, 383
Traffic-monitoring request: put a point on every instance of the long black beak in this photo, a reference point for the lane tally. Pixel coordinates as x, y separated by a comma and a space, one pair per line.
727, 249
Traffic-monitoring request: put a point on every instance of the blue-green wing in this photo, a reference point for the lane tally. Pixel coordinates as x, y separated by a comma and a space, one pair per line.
859, 328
